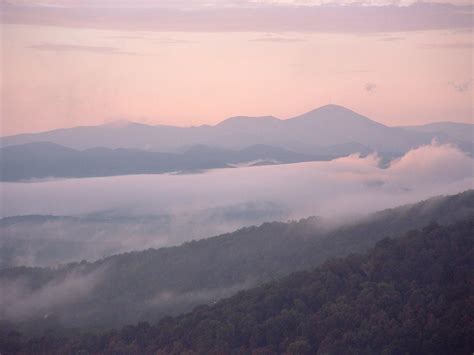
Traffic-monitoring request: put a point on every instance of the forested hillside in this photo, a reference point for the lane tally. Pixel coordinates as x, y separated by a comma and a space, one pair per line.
148, 285
411, 295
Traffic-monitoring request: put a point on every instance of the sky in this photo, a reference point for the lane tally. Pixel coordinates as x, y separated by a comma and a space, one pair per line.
184, 63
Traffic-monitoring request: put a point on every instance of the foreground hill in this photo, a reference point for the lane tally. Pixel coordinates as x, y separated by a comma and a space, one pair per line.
312, 133
154, 283
411, 295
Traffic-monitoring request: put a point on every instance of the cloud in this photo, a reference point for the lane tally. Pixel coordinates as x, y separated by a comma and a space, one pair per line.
158, 40
461, 86
51, 47
59, 240
354, 71
278, 40
370, 87
424, 164
172, 41
20, 300
457, 45
259, 17
199, 296
392, 39
341, 188
199, 4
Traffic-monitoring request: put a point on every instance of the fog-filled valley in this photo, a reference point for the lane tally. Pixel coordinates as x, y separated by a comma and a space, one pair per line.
154, 283
236, 177
100, 238
99, 253
64, 220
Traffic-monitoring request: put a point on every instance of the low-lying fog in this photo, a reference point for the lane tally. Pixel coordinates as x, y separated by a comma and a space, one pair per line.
123, 213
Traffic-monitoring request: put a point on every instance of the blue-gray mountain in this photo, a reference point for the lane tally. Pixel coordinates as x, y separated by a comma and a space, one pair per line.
311, 132
131, 148
44, 159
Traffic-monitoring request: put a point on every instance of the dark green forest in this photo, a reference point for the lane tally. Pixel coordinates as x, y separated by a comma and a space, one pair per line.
408, 295
152, 284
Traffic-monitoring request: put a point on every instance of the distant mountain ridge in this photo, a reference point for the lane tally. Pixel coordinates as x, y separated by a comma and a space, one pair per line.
122, 148
309, 133
461, 131
47, 160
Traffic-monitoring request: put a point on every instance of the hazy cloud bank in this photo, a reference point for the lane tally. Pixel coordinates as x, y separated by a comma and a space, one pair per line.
200, 296
424, 171
55, 47
270, 17
136, 212
43, 241
461, 86
18, 299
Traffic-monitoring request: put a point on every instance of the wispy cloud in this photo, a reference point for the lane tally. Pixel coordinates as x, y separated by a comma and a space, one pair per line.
391, 39
261, 17
196, 4
158, 40
172, 41
455, 45
370, 87
461, 86
278, 40
20, 300
55, 47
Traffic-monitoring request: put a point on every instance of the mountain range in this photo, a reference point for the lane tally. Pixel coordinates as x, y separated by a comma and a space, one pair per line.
328, 125
132, 148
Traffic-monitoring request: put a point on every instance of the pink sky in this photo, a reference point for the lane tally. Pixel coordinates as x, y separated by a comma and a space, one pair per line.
187, 64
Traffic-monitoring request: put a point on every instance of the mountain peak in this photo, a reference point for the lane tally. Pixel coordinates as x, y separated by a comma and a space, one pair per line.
334, 114
124, 124
331, 109
117, 124
239, 121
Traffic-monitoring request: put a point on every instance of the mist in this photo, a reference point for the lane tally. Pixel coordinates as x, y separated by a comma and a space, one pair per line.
117, 214
20, 299
49, 240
